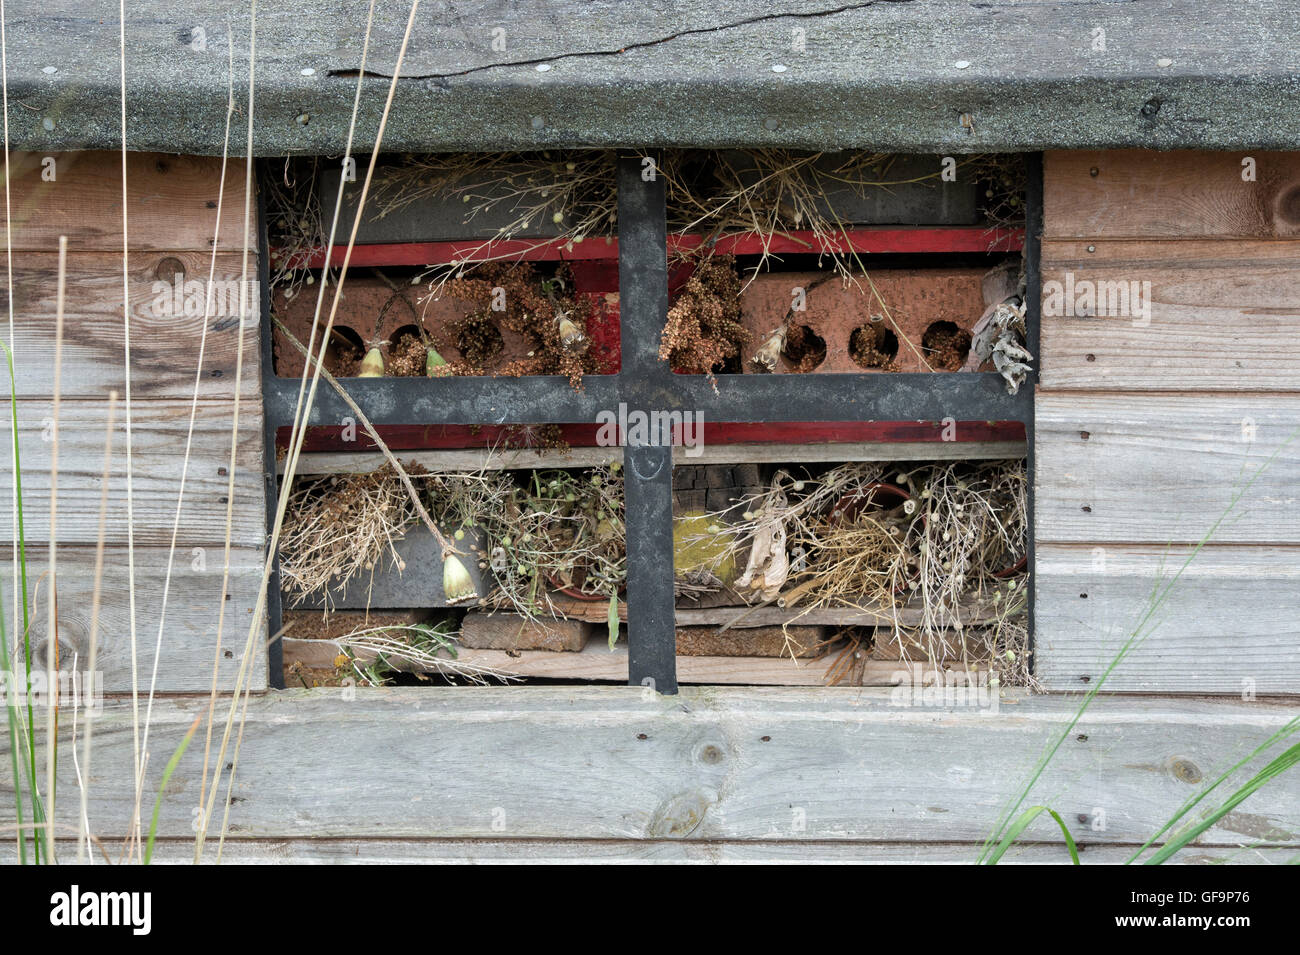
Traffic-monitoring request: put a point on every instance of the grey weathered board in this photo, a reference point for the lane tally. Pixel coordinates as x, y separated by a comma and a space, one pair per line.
158, 453
792, 766
889, 76
189, 632
1228, 623
1164, 468
666, 851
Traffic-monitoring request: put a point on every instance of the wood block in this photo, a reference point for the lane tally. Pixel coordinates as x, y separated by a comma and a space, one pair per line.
304, 625
749, 642
507, 631
695, 499
892, 645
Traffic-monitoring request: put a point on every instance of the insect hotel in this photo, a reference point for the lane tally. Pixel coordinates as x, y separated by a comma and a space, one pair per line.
694, 434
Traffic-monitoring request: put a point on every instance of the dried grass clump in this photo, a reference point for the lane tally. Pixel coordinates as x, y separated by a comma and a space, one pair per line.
941, 564
339, 526
551, 319
703, 332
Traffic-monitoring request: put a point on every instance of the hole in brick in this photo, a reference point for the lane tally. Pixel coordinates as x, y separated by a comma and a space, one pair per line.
873, 346
406, 353
805, 348
479, 340
945, 346
345, 351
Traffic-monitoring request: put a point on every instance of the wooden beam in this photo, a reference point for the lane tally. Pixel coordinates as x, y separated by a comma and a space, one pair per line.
172, 202
789, 766
165, 332
1231, 624
1161, 468
1141, 193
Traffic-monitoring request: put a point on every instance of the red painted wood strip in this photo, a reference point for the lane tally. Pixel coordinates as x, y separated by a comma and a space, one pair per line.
420, 437
878, 240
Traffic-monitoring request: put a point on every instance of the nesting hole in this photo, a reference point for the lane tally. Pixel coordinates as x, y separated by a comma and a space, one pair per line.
873, 346
945, 346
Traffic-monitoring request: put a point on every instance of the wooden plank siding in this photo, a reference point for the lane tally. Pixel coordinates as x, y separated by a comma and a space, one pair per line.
795, 767
1154, 415
172, 203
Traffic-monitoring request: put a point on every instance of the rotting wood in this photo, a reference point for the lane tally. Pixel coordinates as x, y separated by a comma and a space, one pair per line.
858, 764
1115, 468
173, 202
164, 338
1182, 194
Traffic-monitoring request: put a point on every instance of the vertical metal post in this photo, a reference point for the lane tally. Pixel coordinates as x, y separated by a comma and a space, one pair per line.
1033, 317
274, 612
647, 473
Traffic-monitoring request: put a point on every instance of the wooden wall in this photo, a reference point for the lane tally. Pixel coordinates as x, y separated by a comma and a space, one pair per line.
172, 218
1151, 423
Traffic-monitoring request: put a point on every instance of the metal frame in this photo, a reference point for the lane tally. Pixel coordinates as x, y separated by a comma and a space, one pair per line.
647, 384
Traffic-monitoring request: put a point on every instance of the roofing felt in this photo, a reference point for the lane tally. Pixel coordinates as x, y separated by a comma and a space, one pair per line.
892, 75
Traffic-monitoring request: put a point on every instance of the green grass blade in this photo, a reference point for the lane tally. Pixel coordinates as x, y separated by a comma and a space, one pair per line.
1276, 767
38, 813
1021, 823
11, 711
1289, 729
611, 620
162, 785
1146, 625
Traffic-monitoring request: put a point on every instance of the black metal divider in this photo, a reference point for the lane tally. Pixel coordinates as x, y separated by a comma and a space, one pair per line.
646, 384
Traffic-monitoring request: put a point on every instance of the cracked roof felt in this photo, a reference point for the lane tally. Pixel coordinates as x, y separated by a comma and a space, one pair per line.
893, 75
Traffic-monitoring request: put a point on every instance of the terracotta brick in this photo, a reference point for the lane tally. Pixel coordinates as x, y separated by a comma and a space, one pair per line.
916, 298
364, 299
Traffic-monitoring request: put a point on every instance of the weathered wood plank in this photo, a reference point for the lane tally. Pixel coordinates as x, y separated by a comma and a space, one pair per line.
190, 625
164, 338
1231, 623
1171, 315
593, 851
599, 663
781, 765
1163, 468
158, 445
336, 462
1182, 194
172, 202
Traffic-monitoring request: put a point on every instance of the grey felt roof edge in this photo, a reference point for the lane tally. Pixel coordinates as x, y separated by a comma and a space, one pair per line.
892, 75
